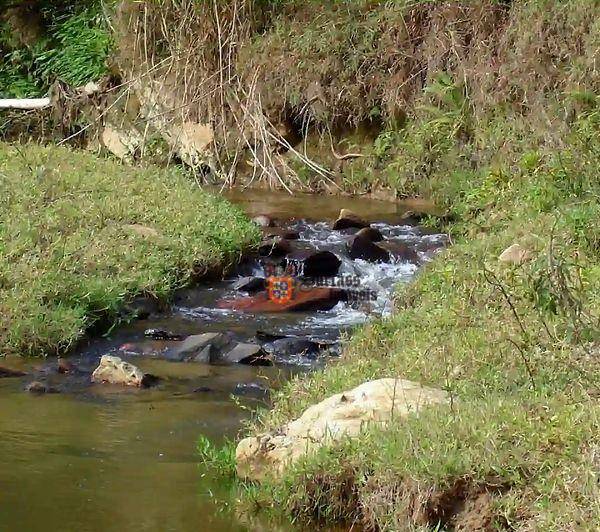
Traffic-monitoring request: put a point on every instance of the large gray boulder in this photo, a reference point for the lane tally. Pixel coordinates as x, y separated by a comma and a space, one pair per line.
200, 348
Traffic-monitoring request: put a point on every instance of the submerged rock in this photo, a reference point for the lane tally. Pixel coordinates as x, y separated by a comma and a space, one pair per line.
250, 284
313, 263
342, 415
347, 219
248, 354
288, 234
289, 348
161, 334
8, 373
310, 299
264, 336
113, 370
39, 387
400, 251
251, 389
203, 348
65, 366
363, 248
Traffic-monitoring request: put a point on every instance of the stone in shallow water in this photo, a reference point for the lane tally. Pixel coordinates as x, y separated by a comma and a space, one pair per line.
342, 415
248, 354
313, 263
347, 219
64, 366
370, 233
113, 370
7, 373
274, 247
289, 348
251, 389
39, 387
401, 251
288, 234
363, 248
161, 334
250, 285
200, 348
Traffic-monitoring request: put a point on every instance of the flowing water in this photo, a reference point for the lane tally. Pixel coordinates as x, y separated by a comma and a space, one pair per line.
107, 458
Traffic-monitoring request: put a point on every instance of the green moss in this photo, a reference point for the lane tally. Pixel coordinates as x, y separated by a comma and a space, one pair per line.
69, 255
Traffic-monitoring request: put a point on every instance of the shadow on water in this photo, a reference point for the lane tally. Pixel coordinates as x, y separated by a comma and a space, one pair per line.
104, 458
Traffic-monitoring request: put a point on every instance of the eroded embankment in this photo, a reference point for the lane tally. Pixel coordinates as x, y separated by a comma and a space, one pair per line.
356, 96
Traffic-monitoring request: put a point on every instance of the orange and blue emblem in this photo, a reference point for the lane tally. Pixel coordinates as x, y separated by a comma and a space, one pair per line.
280, 289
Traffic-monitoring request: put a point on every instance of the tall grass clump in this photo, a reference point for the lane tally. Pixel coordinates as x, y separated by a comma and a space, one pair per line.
46, 41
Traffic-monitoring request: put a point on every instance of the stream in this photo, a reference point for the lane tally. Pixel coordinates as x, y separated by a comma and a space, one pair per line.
98, 457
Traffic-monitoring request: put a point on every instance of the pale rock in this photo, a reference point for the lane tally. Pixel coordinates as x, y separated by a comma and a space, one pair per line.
90, 88
142, 230
343, 415
121, 144
515, 254
191, 141
113, 370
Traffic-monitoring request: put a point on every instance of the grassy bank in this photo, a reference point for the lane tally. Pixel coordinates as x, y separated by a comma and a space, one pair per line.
79, 236
518, 347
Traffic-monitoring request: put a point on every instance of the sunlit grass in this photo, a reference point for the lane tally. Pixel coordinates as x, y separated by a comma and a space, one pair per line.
79, 236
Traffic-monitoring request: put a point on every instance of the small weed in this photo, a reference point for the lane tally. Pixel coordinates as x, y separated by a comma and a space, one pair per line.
217, 458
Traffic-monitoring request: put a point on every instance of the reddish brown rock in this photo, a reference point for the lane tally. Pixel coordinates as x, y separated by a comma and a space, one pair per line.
310, 299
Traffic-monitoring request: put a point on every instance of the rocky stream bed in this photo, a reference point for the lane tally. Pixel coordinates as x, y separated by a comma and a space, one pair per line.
103, 439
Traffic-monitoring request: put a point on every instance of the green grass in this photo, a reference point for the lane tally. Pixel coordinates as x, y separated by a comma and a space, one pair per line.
517, 346
69, 256
74, 47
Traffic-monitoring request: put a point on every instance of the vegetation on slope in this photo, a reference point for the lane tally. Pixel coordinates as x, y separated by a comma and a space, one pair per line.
509, 145
48, 40
517, 346
79, 236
